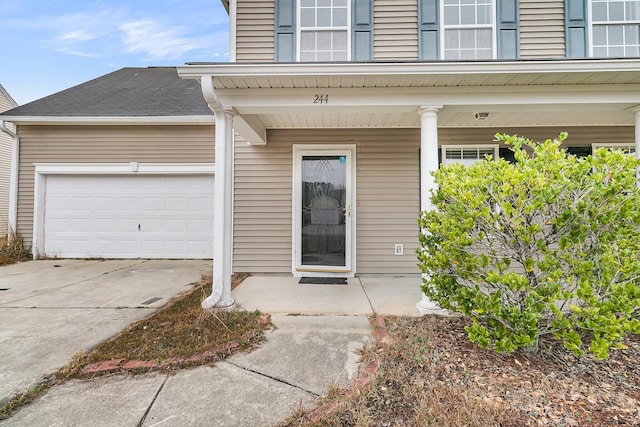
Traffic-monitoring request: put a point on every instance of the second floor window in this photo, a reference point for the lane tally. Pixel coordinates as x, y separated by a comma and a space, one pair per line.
615, 28
469, 29
323, 32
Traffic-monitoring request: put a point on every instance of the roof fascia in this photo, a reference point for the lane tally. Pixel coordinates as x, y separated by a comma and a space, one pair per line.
152, 120
196, 70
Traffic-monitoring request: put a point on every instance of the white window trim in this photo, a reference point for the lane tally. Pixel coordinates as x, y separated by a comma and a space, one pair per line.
321, 149
492, 26
495, 147
299, 30
590, 25
43, 170
612, 145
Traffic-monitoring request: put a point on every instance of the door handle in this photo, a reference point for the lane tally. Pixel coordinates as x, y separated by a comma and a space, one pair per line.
347, 211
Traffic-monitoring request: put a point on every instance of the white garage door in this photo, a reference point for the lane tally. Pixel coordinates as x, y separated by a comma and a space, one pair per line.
129, 216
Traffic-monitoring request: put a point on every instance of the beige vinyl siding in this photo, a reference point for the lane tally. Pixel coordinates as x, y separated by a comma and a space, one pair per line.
255, 32
387, 190
5, 180
395, 30
578, 136
104, 144
542, 29
6, 143
387, 198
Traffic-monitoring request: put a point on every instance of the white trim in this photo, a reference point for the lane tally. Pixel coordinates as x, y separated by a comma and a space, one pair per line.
299, 30
443, 150
124, 168
493, 27
628, 145
589, 30
42, 170
591, 24
233, 27
124, 120
245, 70
350, 233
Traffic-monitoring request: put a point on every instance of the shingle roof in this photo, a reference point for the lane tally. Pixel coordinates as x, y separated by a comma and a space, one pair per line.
129, 92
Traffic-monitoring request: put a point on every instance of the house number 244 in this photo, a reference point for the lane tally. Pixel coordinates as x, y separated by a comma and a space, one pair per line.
321, 99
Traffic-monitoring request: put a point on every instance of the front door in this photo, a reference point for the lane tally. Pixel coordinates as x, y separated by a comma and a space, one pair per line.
323, 217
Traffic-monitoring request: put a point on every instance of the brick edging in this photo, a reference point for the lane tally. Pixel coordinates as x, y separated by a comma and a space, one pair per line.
117, 365
365, 375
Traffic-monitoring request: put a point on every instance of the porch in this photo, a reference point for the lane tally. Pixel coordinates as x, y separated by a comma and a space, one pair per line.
362, 295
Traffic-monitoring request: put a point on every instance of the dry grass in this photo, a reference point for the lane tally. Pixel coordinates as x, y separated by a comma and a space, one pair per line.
12, 249
175, 332
182, 329
430, 375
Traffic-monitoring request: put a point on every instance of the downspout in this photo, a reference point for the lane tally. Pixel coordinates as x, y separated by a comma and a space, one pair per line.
220, 297
13, 181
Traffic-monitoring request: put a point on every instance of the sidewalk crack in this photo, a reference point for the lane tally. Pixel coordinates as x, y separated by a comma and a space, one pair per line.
274, 379
373, 310
144, 417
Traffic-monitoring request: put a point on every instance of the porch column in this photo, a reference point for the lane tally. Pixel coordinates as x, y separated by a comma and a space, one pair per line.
636, 111
428, 163
220, 297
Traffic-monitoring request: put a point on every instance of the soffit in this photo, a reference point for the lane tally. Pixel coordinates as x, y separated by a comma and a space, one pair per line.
527, 93
416, 75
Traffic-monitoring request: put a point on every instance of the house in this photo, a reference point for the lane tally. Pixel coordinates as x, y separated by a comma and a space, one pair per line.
117, 167
332, 114
6, 103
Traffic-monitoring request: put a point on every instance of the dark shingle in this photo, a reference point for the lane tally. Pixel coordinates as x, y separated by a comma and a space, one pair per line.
129, 92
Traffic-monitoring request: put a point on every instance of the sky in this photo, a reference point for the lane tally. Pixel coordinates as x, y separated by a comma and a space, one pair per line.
50, 45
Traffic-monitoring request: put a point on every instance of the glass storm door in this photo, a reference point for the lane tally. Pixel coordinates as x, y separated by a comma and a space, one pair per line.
324, 211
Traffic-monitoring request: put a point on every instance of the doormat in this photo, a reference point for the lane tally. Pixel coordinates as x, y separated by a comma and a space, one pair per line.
323, 281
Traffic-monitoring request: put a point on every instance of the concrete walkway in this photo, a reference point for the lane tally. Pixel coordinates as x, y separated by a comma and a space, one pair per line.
318, 332
49, 310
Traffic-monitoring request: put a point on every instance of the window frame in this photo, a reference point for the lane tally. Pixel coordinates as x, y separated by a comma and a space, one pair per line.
444, 27
630, 146
591, 25
494, 147
300, 29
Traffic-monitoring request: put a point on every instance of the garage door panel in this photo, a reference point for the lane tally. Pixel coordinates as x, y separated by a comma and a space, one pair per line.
129, 216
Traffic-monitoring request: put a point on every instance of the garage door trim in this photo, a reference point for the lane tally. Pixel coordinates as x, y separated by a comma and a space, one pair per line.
43, 170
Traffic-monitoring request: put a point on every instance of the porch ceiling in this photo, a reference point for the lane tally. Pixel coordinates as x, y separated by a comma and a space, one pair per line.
416, 74
451, 116
362, 95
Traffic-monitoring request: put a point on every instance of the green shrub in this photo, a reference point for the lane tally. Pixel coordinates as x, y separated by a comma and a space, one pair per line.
547, 246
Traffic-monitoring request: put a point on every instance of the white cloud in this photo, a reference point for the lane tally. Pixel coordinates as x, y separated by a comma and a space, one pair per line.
78, 53
77, 35
159, 41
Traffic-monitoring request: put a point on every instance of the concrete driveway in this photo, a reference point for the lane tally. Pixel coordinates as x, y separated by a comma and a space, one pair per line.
49, 310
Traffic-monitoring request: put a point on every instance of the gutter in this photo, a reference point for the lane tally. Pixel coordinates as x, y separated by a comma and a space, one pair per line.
112, 120
13, 185
354, 69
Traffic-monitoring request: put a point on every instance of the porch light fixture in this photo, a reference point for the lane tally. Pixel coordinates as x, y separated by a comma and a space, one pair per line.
481, 116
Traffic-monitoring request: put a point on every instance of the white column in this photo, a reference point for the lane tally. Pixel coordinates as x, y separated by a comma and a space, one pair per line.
220, 297
428, 163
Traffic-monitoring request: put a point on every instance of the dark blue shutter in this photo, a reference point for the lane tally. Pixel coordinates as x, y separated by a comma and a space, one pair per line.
285, 43
507, 154
362, 30
508, 29
580, 151
428, 26
575, 29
